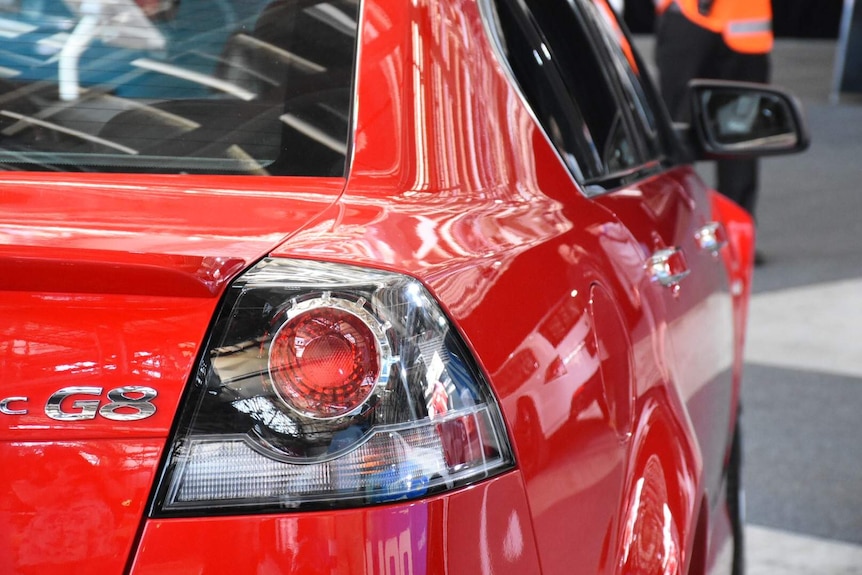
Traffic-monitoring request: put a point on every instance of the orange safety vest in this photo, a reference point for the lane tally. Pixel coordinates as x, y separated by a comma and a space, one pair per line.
745, 25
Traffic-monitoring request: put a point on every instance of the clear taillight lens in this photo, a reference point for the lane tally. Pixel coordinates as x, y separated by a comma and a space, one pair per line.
328, 385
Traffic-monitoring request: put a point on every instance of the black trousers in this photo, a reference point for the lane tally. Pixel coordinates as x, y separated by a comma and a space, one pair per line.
685, 51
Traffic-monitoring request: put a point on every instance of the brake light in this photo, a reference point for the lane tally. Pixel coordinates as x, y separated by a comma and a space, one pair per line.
327, 385
325, 360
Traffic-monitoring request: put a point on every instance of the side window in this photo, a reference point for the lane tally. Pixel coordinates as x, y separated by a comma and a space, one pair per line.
637, 90
547, 42
530, 62
587, 82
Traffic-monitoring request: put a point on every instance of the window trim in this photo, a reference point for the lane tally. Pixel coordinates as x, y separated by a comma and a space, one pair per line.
590, 188
491, 24
669, 152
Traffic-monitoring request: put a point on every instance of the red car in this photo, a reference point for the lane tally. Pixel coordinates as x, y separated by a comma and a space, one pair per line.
366, 287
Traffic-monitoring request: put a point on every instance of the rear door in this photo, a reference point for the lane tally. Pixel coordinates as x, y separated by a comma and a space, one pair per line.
668, 210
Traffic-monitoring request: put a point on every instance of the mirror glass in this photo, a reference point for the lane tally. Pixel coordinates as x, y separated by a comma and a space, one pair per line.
743, 118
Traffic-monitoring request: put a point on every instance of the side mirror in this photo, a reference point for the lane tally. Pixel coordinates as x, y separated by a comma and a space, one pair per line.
738, 120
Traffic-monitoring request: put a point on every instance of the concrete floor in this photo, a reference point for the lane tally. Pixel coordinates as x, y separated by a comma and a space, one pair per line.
804, 381
803, 388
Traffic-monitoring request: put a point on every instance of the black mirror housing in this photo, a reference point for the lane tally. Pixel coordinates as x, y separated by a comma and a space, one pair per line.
744, 120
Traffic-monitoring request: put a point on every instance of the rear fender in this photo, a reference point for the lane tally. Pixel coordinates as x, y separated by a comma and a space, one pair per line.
659, 523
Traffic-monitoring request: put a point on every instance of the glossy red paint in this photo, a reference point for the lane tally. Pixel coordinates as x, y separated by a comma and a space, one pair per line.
668, 211
451, 182
111, 282
60, 340
73, 505
497, 210
739, 259
483, 529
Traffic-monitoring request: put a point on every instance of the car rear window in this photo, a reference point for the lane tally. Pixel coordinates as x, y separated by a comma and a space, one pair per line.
177, 86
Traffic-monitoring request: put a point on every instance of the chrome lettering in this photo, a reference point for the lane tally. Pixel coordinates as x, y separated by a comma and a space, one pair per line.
87, 408
5, 409
121, 403
128, 403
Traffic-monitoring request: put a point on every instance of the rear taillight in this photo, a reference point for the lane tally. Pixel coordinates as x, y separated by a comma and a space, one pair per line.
327, 385
325, 360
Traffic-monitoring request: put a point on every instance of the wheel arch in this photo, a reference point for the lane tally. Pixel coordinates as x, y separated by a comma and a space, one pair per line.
664, 527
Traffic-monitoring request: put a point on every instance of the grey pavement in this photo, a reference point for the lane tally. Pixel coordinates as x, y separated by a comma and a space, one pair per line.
804, 355
803, 381
778, 553
810, 210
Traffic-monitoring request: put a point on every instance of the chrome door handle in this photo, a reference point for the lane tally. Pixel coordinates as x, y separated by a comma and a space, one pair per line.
668, 267
711, 237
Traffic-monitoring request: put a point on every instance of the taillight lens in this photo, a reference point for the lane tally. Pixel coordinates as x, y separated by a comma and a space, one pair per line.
324, 361
328, 385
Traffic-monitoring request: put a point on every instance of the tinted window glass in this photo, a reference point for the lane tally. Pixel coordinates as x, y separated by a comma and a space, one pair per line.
634, 84
169, 86
564, 75
544, 90
581, 68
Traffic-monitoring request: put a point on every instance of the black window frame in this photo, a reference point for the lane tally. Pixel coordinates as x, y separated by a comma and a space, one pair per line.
665, 151
668, 148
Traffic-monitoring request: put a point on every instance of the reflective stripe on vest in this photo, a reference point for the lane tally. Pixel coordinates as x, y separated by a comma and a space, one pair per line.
752, 36
745, 25
749, 26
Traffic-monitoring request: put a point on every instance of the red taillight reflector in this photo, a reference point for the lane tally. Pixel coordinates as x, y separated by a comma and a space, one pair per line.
324, 362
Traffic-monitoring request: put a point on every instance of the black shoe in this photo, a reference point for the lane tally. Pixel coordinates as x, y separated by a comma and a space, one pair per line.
759, 258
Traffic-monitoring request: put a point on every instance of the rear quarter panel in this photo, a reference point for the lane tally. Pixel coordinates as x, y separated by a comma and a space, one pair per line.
452, 182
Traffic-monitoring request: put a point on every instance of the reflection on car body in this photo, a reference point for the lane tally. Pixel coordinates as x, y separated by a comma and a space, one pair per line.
364, 287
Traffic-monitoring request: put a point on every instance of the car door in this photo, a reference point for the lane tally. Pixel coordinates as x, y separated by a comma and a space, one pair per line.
579, 74
669, 212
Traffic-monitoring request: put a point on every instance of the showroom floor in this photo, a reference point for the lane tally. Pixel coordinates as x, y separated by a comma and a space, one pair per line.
803, 384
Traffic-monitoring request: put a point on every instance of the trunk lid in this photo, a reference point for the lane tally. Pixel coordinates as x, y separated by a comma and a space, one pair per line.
107, 288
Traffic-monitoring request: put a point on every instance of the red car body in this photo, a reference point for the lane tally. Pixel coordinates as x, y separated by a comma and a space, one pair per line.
619, 394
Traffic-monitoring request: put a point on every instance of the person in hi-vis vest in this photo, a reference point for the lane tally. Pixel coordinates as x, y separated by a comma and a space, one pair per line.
718, 39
